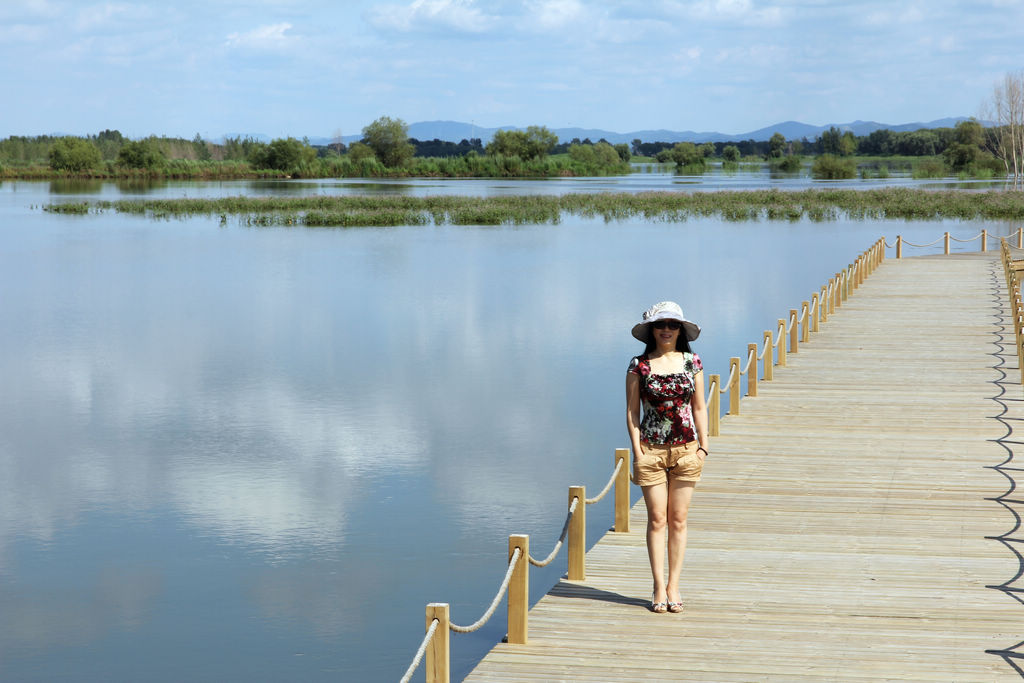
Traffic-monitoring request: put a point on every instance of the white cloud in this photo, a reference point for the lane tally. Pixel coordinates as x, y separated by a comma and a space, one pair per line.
458, 15
553, 14
271, 37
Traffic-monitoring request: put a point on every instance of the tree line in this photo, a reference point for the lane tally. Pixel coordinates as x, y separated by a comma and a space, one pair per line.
386, 149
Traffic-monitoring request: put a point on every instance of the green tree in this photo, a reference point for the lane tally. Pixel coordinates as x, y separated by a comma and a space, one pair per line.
389, 140
533, 143
200, 147
829, 141
357, 151
847, 144
623, 149
74, 155
141, 154
776, 146
731, 153
687, 154
284, 154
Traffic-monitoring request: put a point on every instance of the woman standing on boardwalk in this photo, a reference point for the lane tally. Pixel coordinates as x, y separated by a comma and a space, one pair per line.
670, 441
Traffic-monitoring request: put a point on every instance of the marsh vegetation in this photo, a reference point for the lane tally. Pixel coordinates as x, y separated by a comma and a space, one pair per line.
353, 211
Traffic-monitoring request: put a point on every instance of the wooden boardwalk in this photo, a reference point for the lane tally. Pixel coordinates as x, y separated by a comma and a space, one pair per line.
847, 528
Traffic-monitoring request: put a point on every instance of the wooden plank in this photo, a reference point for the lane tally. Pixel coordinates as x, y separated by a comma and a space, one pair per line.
846, 526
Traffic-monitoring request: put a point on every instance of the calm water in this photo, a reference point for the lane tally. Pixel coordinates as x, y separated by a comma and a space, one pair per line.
256, 454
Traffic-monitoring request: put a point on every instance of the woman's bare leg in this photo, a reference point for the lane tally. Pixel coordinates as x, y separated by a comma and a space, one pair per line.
656, 499
680, 493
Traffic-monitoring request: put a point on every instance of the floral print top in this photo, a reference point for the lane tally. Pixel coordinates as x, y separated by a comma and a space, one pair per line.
666, 401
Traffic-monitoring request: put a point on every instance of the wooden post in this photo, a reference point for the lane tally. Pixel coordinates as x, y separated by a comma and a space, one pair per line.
769, 356
578, 535
437, 649
984, 239
817, 312
752, 371
734, 386
823, 304
794, 329
805, 330
781, 329
715, 405
899, 246
844, 286
833, 304
519, 591
945, 243
1020, 238
622, 491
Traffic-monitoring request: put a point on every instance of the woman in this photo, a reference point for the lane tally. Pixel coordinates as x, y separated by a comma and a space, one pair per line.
670, 441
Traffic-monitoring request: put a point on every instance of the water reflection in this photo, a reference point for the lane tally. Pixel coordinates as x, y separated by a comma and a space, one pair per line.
76, 186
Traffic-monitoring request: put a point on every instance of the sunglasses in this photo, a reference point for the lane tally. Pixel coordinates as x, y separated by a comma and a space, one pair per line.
670, 324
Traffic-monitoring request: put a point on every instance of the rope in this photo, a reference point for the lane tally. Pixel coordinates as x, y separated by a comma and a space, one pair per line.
782, 332
767, 342
971, 239
890, 246
792, 320
814, 306
607, 487
732, 373
804, 310
911, 244
494, 603
420, 652
565, 529
711, 390
750, 359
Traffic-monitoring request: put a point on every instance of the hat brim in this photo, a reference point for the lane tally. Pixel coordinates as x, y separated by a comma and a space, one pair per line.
642, 330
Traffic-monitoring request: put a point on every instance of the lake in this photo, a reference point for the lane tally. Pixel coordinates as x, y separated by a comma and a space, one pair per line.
234, 453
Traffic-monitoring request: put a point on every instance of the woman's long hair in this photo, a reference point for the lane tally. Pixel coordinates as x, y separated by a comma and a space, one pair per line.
682, 344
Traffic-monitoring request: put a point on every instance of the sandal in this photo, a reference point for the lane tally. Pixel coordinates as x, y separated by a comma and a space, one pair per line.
675, 607
658, 607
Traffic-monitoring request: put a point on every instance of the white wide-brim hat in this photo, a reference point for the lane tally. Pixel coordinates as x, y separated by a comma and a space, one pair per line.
664, 310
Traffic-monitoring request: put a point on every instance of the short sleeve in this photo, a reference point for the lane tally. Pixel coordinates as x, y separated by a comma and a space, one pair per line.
634, 366
695, 364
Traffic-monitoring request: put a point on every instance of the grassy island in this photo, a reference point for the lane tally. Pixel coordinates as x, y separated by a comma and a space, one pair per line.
353, 211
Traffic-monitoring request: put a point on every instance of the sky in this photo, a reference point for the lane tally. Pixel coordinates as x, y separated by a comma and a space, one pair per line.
326, 68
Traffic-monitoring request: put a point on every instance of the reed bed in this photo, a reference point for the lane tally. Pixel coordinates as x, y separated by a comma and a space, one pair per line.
354, 211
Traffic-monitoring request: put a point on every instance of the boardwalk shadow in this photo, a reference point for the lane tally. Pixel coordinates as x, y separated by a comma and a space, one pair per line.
566, 589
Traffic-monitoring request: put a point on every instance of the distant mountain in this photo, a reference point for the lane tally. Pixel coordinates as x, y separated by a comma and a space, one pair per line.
455, 131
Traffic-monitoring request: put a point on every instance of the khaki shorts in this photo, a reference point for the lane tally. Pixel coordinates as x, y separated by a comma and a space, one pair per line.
659, 461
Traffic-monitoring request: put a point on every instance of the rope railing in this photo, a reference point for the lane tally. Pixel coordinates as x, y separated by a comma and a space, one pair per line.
947, 238
515, 584
751, 356
934, 242
561, 538
607, 487
420, 652
969, 239
516, 554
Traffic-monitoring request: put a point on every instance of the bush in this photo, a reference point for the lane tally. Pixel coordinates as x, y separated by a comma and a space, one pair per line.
789, 164
930, 168
74, 155
284, 154
141, 154
831, 167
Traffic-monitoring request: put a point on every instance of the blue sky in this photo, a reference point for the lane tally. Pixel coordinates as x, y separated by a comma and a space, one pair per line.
317, 68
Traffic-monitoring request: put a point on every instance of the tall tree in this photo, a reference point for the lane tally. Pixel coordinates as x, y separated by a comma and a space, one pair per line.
1005, 107
389, 140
